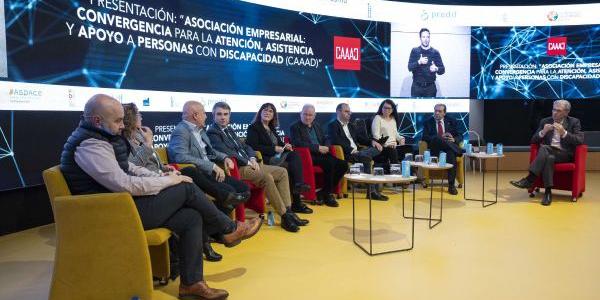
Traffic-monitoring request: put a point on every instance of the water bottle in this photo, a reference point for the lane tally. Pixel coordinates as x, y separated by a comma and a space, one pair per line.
270, 218
405, 169
426, 156
442, 159
500, 149
469, 148
490, 148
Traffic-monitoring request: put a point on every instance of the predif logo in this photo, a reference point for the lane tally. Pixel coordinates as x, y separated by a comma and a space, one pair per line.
346, 53
557, 46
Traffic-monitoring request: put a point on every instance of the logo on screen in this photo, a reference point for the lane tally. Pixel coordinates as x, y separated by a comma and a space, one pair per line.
552, 16
557, 46
346, 53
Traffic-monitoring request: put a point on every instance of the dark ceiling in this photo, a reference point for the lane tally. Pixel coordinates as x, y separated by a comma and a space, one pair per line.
501, 2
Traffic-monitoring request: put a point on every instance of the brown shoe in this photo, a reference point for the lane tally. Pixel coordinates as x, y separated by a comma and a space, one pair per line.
201, 291
243, 231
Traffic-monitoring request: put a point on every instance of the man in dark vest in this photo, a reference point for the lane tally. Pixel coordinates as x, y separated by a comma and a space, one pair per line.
95, 160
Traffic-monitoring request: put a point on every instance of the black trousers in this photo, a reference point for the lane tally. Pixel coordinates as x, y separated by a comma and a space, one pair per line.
185, 210
423, 90
333, 170
452, 150
365, 157
543, 164
387, 157
218, 190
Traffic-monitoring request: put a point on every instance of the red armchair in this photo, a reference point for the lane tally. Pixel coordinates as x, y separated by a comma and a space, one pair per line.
313, 175
257, 196
567, 176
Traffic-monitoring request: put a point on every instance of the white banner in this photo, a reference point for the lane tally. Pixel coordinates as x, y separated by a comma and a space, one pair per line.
415, 14
44, 97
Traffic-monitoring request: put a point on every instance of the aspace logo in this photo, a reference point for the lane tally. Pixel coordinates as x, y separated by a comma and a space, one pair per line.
557, 46
23, 96
346, 53
24, 93
146, 102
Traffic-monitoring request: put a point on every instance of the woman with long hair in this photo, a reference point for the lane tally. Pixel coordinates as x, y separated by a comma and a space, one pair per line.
262, 136
384, 129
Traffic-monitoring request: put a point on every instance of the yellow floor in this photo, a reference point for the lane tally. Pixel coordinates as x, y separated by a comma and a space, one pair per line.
516, 249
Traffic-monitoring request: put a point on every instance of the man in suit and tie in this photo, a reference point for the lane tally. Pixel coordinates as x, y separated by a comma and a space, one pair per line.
343, 133
273, 179
558, 136
307, 133
441, 134
190, 144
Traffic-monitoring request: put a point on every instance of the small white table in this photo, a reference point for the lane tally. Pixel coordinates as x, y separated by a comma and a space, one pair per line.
379, 179
482, 156
433, 167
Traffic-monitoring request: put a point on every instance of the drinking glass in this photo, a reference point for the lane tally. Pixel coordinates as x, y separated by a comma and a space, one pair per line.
395, 169
378, 171
433, 160
419, 158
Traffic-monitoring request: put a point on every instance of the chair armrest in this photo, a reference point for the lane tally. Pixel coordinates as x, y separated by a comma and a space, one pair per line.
259, 157
337, 151
422, 147
235, 171
100, 197
580, 158
307, 164
533, 150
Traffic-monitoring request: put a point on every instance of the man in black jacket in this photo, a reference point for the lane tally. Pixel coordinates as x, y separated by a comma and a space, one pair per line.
425, 62
441, 134
307, 133
273, 179
343, 133
558, 136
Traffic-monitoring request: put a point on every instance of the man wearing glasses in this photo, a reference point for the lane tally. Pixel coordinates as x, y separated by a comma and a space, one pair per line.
558, 136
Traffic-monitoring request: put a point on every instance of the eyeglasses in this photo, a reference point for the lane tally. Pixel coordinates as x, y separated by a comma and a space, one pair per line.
387, 108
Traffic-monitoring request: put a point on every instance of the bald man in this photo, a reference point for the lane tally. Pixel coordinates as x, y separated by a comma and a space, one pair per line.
95, 160
307, 133
190, 144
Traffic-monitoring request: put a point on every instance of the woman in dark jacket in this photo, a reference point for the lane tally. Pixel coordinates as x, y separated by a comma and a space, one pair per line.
262, 136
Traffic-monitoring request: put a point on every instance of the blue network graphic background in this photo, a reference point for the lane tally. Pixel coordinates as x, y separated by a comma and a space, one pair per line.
40, 50
492, 46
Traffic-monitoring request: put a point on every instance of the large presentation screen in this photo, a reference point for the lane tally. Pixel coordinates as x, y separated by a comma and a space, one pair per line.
432, 58
55, 54
201, 46
549, 62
